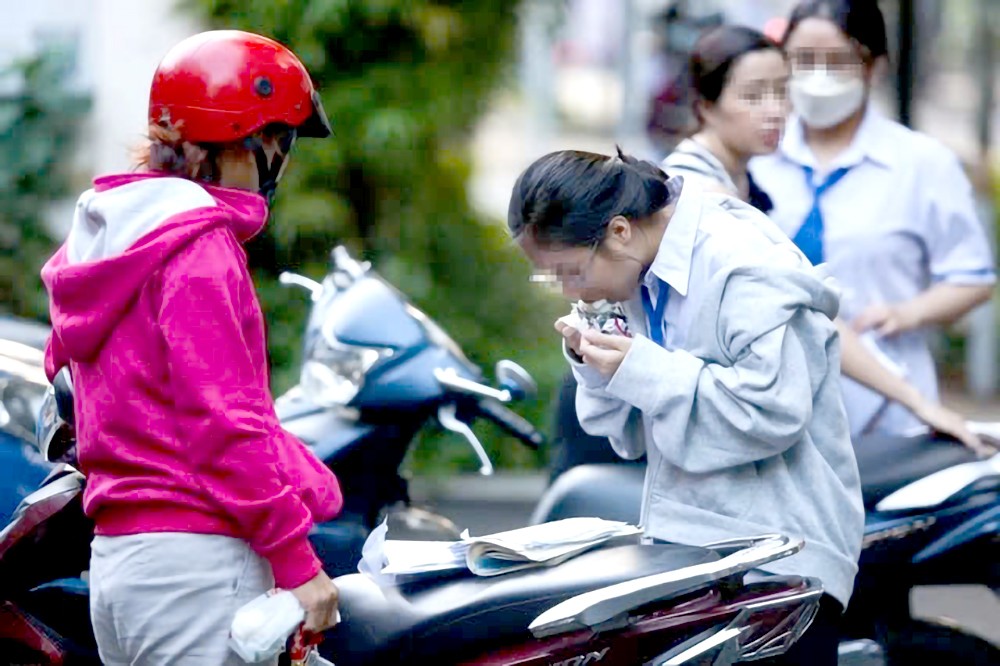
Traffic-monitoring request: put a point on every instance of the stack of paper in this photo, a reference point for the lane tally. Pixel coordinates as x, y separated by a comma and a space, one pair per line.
545, 544
414, 558
538, 545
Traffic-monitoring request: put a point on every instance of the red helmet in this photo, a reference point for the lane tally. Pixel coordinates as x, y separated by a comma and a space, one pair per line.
224, 85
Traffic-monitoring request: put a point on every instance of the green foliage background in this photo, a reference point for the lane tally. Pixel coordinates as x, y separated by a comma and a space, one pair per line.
39, 126
403, 82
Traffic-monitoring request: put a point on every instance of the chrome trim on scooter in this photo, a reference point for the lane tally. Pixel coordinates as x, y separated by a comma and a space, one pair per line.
939, 487
451, 379
610, 605
736, 544
720, 648
814, 594
779, 639
70, 485
71, 480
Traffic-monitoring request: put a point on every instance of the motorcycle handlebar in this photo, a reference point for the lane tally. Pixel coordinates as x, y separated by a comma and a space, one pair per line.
512, 422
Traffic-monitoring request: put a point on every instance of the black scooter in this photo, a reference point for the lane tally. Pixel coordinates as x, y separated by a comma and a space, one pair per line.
933, 518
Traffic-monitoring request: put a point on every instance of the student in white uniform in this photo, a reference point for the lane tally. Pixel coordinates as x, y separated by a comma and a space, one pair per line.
888, 209
740, 80
729, 381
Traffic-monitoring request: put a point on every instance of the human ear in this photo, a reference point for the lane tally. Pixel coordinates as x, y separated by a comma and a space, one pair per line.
702, 109
874, 70
619, 231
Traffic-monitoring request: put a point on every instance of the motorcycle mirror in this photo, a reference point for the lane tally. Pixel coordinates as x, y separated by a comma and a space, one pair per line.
516, 380
314, 288
343, 261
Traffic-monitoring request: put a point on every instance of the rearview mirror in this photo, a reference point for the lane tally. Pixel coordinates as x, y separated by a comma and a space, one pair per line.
516, 380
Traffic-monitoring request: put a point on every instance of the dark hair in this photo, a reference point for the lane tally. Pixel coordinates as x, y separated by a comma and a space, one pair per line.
715, 53
861, 20
569, 197
165, 150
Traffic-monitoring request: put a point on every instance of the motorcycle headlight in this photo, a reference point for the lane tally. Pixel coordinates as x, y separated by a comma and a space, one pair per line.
334, 372
22, 388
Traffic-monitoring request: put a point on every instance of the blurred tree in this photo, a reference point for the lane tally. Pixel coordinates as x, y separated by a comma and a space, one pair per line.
39, 122
403, 82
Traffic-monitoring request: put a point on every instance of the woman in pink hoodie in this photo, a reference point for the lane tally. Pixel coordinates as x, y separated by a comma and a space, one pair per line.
201, 501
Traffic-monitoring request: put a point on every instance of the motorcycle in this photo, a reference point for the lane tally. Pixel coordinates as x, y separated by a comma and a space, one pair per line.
22, 387
622, 604
932, 516
376, 370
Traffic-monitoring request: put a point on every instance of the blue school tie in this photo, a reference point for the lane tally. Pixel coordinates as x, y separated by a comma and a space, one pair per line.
809, 237
655, 314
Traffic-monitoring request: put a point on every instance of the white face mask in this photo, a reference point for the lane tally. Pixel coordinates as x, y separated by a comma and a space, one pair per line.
823, 99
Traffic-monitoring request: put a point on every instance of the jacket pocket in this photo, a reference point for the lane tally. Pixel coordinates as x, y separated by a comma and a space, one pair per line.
732, 493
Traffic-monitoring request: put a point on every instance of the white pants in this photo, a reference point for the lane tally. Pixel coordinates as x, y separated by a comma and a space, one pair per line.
159, 599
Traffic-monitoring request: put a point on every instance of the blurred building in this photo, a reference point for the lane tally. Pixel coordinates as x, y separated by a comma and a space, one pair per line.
113, 47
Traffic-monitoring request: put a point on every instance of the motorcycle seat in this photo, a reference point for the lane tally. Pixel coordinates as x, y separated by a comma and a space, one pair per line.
386, 625
888, 463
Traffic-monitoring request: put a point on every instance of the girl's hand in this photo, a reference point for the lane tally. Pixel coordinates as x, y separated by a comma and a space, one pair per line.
887, 320
947, 422
604, 353
571, 334
320, 598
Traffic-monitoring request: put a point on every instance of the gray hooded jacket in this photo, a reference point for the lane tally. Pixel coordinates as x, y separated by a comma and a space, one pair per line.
740, 413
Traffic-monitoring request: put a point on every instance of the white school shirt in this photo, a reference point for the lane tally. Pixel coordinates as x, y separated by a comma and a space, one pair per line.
695, 162
902, 219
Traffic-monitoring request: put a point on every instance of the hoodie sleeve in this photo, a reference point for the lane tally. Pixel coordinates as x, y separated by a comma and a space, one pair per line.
602, 414
225, 407
754, 403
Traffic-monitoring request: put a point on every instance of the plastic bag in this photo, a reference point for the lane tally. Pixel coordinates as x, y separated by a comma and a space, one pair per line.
602, 316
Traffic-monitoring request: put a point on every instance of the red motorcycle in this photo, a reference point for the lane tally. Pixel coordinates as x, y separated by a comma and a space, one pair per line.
624, 603
44, 602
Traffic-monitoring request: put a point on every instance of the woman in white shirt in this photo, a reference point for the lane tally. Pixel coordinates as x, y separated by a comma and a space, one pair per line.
888, 209
740, 86
740, 80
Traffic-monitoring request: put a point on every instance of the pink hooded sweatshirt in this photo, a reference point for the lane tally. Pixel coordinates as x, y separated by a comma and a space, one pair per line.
154, 310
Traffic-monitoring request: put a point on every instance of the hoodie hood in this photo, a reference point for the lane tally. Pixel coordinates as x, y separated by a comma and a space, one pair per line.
124, 230
769, 297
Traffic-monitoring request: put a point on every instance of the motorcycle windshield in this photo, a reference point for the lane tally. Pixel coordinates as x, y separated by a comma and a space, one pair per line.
371, 313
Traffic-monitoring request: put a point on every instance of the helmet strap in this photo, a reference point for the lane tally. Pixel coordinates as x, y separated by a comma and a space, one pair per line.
267, 174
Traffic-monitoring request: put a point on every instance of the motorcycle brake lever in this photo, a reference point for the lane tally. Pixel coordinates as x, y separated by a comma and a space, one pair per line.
447, 416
